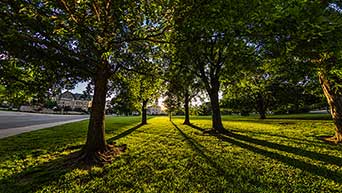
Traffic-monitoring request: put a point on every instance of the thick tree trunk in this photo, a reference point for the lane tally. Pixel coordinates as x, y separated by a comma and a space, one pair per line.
96, 129
144, 112
186, 109
261, 106
170, 116
335, 104
216, 114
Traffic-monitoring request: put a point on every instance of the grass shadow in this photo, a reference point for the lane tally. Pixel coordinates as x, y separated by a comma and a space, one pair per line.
314, 169
34, 178
195, 127
294, 150
124, 134
302, 117
293, 139
201, 151
263, 121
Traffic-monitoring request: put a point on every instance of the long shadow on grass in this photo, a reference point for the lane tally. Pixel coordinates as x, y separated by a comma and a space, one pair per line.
124, 134
294, 139
303, 117
201, 151
317, 170
34, 178
196, 127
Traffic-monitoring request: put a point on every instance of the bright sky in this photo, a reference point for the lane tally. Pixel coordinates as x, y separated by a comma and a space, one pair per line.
80, 87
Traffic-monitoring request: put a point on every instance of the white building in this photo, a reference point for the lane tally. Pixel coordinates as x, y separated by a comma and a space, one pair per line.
154, 110
74, 101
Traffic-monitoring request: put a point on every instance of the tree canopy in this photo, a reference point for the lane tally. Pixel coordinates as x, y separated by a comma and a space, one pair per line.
249, 47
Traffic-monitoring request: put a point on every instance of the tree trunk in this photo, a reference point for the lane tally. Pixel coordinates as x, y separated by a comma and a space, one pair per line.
96, 129
144, 112
216, 114
335, 104
261, 106
170, 116
186, 109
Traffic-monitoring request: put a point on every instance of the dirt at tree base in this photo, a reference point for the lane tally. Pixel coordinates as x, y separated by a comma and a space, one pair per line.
86, 159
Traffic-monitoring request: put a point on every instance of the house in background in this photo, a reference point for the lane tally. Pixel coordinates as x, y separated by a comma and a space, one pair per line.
74, 101
155, 110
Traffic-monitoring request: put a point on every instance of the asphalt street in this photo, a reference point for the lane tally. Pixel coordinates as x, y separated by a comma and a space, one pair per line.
13, 123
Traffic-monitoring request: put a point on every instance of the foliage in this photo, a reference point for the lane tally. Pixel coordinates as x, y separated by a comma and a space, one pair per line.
22, 84
281, 91
171, 102
141, 82
304, 32
50, 104
77, 34
124, 101
202, 109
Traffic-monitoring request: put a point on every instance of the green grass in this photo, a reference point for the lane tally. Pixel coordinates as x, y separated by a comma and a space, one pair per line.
281, 154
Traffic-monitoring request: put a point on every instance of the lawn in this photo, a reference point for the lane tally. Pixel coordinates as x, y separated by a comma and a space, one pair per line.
281, 154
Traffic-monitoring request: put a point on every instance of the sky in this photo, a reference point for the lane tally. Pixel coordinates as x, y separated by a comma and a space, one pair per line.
80, 87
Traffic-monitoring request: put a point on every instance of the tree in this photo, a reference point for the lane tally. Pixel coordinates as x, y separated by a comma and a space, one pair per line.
271, 85
282, 92
143, 77
183, 85
307, 32
124, 101
209, 38
22, 84
143, 89
148, 73
83, 40
171, 103
138, 85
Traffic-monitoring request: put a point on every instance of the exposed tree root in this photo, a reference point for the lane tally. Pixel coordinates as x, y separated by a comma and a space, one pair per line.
331, 139
87, 159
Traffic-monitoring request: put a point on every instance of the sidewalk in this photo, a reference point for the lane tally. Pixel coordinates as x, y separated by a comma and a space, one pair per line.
15, 131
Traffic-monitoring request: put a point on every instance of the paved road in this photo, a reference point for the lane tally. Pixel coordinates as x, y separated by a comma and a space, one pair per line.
12, 123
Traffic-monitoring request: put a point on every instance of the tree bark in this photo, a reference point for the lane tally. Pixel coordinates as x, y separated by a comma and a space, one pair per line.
335, 103
144, 112
261, 106
186, 109
215, 106
96, 129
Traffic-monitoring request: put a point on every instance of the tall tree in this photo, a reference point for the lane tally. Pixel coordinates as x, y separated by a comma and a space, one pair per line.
209, 37
183, 84
171, 103
147, 89
307, 31
138, 85
83, 39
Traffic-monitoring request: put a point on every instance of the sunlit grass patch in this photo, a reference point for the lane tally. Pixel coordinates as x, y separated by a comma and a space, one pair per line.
277, 155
